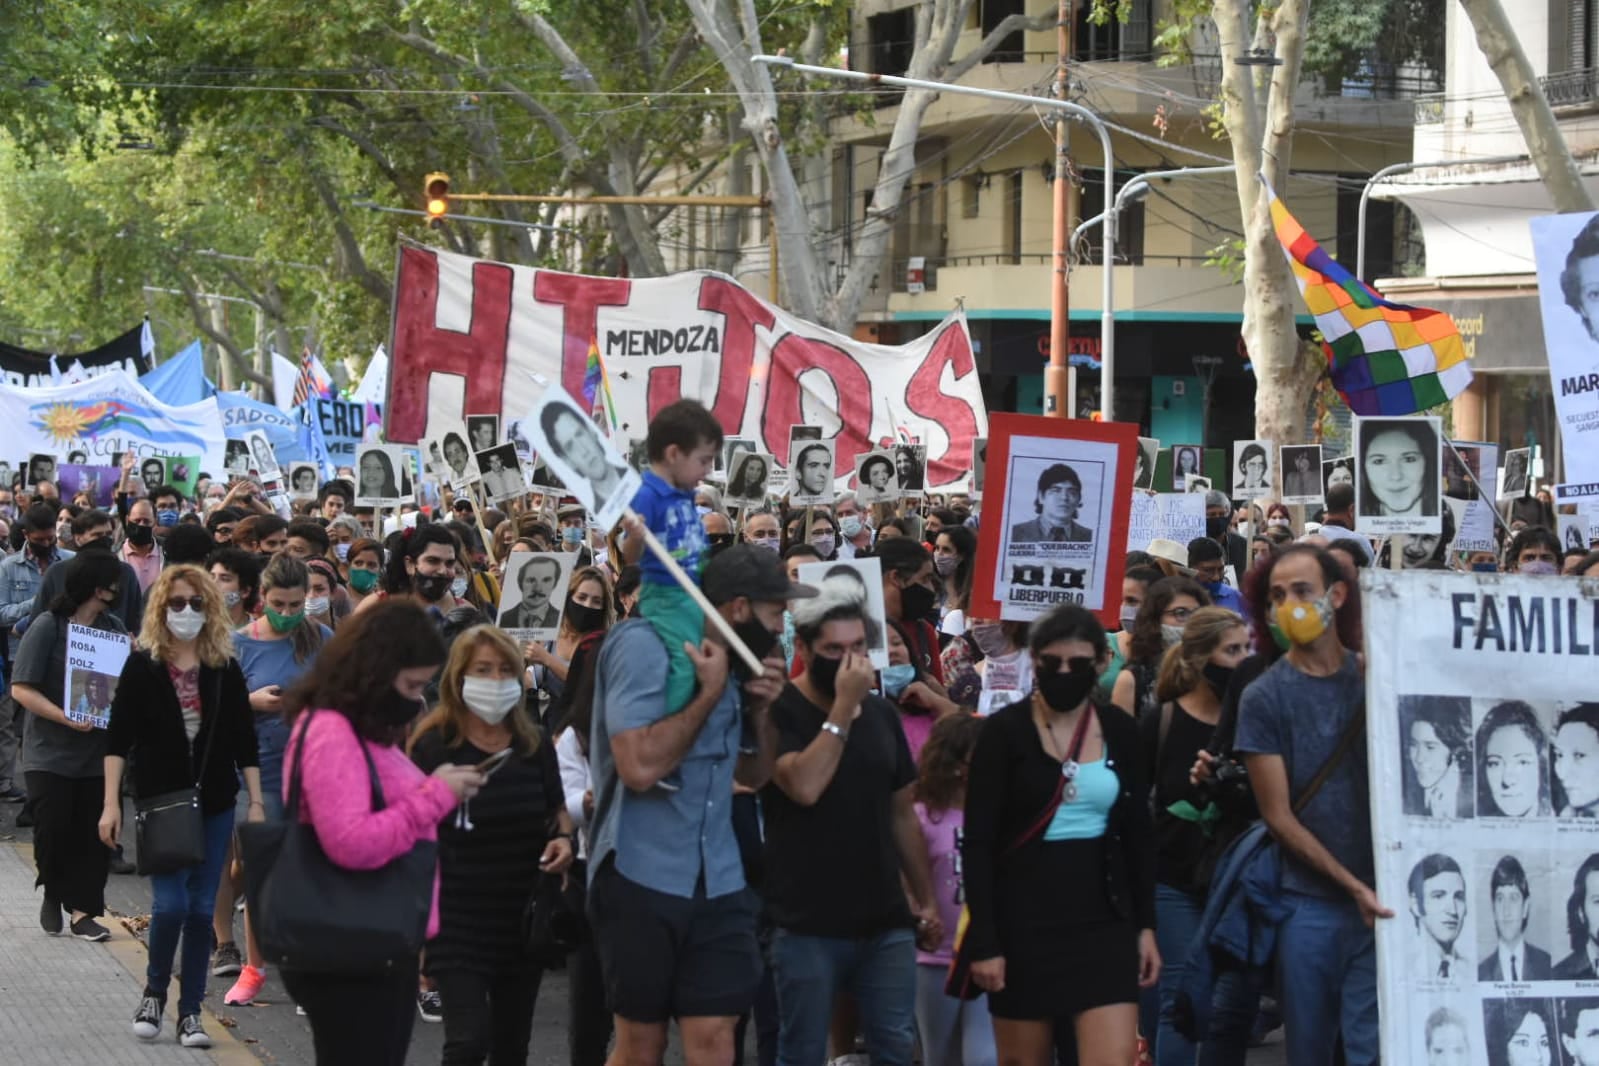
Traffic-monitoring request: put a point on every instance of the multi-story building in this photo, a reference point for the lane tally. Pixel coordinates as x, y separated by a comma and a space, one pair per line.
1472, 217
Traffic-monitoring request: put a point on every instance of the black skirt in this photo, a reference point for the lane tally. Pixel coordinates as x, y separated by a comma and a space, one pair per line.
1065, 949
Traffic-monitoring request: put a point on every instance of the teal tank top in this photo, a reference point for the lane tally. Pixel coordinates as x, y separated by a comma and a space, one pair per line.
1084, 818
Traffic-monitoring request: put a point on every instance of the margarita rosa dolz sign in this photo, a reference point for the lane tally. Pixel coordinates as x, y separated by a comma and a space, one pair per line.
1484, 759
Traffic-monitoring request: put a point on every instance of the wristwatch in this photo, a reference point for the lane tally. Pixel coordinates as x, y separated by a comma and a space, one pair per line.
837, 730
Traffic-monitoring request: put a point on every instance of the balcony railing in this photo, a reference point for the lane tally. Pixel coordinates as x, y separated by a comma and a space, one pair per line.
1429, 109
1572, 88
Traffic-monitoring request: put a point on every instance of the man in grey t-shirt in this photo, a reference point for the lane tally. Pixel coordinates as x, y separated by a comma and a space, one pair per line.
1290, 722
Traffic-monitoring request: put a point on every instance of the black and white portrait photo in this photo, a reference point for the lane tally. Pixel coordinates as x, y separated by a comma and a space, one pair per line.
862, 578
979, 463
1302, 473
1514, 483
483, 431
910, 468
382, 476
1463, 467
1445, 1039
1512, 953
1144, 463
1575, 531
543, 479
153, 474
732, 447
1185, 463
303, 479
7, 474
1577, 1018
534, 594
1582, 925
804, 433
1519, 1032
1196, 484
638, 455
1399, 489
1252, 469
236, 457
1340, 471
41, 467
811, 470
1565, 249
582, 457
746, 479
459, 469
1437, 764
875, 478
1574, 753
1512, 749
1057, 499
263, 459
1438, 908
501, 473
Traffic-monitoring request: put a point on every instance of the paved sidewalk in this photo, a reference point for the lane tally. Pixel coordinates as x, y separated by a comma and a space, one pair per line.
70, 1002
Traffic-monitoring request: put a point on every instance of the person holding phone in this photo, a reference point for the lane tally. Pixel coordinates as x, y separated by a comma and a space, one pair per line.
494, 850
275, 651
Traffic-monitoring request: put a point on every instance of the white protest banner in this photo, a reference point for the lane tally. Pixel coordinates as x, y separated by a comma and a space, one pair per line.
1476, 715
108, 415
1178, 516
470, 334
94, 665
1566, 249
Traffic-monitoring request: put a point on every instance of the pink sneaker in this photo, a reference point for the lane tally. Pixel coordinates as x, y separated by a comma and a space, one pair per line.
246, 988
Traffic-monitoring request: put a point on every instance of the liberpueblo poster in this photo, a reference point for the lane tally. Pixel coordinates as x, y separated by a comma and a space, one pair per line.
1484, 762
130, 353
105, 416
470, 336
1055, 517
1566, 248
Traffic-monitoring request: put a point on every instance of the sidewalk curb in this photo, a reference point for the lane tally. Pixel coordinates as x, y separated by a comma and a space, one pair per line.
129, 952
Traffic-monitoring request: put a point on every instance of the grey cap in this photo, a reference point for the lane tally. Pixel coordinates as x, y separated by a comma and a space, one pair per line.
753, 571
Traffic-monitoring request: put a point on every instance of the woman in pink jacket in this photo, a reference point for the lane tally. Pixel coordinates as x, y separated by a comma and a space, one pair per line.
365, 690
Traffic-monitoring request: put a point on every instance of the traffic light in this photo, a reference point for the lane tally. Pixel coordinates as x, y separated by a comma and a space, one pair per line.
436, 193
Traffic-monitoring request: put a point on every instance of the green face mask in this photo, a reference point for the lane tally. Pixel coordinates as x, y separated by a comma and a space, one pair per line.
283, 623
363, 581
1278, 636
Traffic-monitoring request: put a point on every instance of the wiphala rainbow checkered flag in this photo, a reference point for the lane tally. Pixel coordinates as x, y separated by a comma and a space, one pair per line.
1384, 358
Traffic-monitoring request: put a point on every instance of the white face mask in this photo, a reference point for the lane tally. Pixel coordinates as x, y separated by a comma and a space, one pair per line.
185, 624
457, 587
316, 605
342, 551
490, 699
231, 598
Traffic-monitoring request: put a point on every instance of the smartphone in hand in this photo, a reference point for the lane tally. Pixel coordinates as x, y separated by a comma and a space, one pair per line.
494, 762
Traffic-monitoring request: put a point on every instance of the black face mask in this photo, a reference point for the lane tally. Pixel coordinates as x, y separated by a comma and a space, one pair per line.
140, 536
42, 551
918, 603
585, 619
758, 639
1216, 528
98, 544
396, 710
824, 674
1218, 676
1065, 691
432, 587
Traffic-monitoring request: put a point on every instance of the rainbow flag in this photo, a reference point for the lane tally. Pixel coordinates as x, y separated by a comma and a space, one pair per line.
597, 386
1384, 358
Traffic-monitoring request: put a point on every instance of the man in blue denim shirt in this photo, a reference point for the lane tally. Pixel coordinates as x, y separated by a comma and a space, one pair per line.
674, 922
20, 575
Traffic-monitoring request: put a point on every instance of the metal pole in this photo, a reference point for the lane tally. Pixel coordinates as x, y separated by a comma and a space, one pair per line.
1060, 398
648, 201
1406, 168
1108, 375
579, 234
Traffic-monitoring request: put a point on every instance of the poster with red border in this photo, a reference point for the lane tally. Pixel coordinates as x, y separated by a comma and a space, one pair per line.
1055, 513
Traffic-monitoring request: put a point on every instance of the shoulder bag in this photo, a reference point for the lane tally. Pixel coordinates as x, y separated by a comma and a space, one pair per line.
313, 915
169, 829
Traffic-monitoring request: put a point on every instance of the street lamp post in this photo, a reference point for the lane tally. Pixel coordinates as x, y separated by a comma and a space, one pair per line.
1058, 312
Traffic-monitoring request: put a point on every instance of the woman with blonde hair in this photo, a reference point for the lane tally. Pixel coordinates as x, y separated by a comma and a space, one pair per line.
1194, 675
494, 851
182, 710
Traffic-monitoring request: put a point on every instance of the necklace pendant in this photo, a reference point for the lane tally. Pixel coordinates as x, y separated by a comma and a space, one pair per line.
1069, 793
1068, 769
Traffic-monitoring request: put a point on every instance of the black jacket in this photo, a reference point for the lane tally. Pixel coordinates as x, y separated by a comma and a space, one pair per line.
1010, 781
147, 721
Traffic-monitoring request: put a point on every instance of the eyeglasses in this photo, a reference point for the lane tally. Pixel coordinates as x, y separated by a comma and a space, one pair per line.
194, 603
1179, 613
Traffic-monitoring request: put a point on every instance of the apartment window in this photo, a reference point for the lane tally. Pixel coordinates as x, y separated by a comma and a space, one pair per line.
1129, 226
1582, 28
1012, 48
1116, 39
1011, 228
892, 40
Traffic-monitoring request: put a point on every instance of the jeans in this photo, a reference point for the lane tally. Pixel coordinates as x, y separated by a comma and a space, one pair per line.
11, 713
879, 971
1327, 964
72, 862
1234, 997
181, 904
764, 1015
955, 1032
488, 1017
358, 1021
588, 1025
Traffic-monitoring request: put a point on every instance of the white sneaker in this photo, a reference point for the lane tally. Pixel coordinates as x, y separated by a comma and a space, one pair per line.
147, 1019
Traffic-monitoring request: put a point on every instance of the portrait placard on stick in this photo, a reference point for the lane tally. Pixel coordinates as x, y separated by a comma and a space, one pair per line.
746, 479
533, 597
868, 574
812, 466
1252, 469
1301, 467
875, 478
383, 476
585, 460
1399, 462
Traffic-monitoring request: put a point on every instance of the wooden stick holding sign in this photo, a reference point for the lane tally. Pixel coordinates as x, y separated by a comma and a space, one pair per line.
679, 575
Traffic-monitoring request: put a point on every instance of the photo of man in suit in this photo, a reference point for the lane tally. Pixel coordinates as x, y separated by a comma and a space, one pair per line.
1513, 959
1438, 905
537, 583
1582, 921
1579, 1030
1057, 500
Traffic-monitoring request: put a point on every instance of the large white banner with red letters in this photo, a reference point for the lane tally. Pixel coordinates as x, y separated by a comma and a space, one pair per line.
470, 334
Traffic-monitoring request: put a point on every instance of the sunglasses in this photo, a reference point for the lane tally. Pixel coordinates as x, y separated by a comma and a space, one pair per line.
194, 603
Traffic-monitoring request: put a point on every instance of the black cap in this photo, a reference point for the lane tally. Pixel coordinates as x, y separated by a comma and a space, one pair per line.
750, 570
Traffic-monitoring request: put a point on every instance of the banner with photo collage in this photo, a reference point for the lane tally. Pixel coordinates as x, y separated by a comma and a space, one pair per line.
1483, 743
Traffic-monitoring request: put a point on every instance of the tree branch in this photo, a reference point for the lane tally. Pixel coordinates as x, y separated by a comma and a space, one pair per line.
1008, 25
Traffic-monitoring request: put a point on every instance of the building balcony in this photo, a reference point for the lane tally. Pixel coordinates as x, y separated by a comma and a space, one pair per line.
1165, 288
1572, 90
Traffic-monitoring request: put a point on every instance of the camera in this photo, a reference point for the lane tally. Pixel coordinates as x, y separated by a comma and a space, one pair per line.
1228, 781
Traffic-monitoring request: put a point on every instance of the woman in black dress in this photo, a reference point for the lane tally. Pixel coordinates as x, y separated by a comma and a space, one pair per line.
1059, 859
